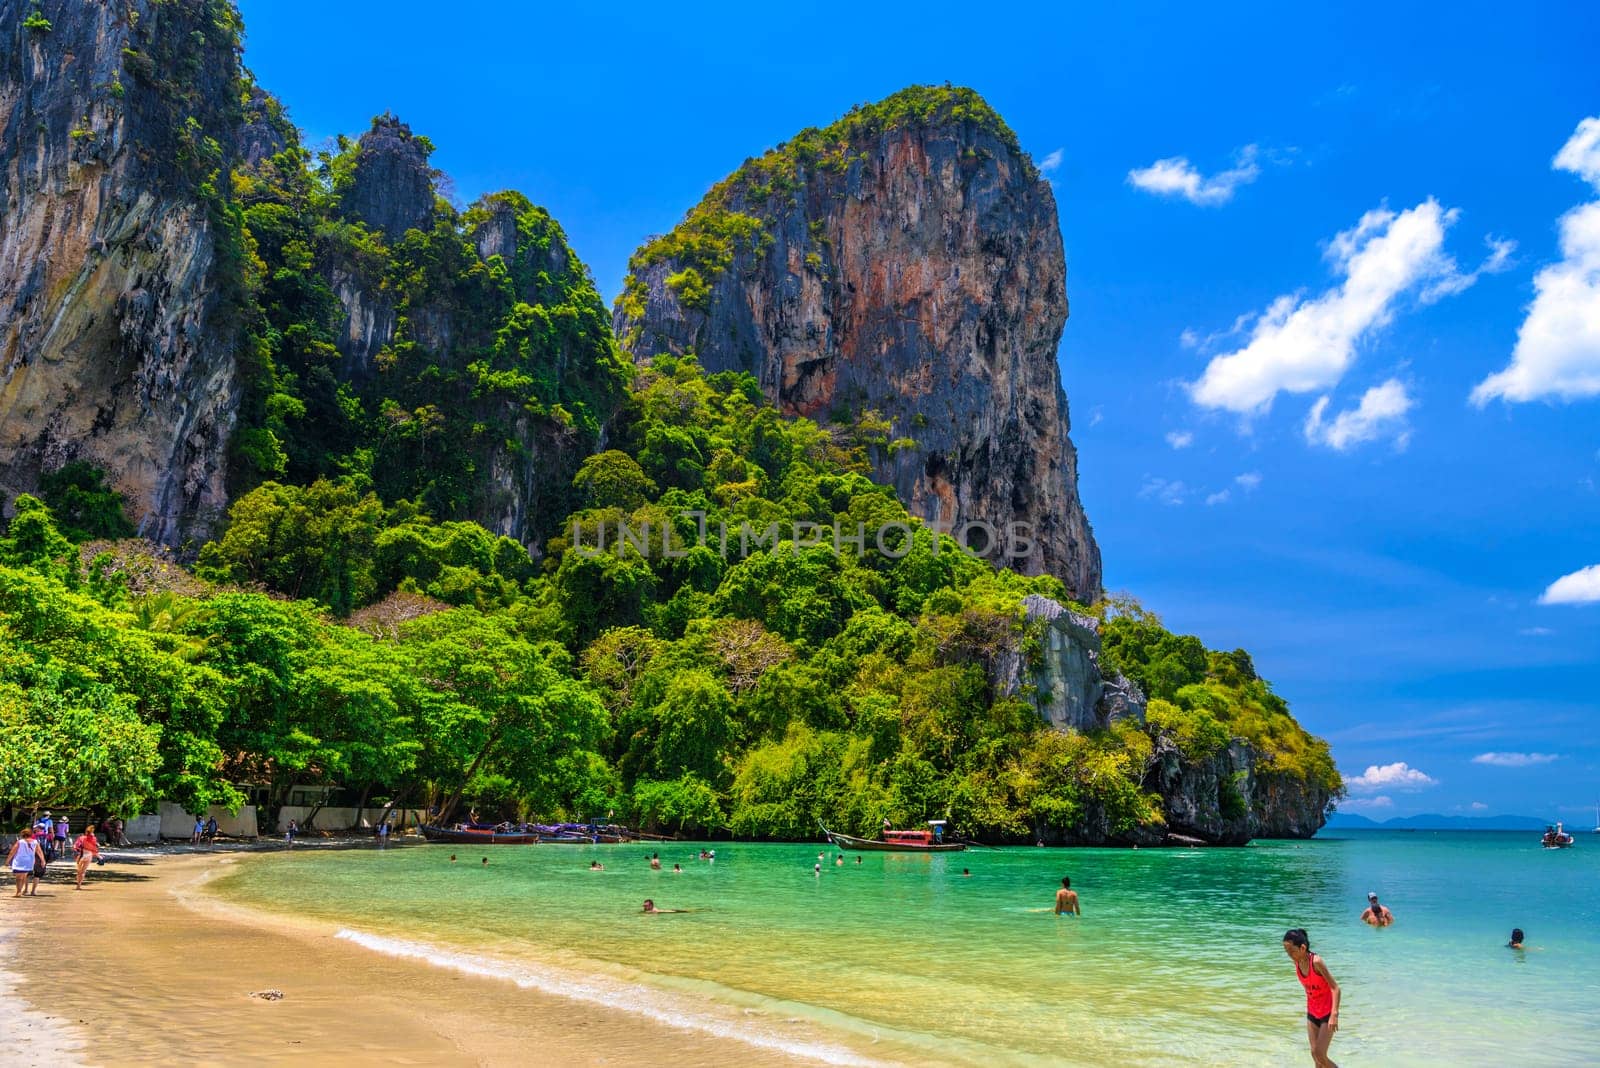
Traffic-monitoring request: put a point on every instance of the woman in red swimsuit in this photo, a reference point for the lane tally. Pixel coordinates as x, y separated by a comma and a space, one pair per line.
1322, 995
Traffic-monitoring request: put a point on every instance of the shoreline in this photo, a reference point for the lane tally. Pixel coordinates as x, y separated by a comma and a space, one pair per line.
186, 966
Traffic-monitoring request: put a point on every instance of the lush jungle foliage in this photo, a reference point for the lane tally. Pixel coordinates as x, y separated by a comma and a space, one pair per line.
501, 358
336, 637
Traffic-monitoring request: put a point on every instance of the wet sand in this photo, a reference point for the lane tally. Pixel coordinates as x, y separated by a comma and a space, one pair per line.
140, 968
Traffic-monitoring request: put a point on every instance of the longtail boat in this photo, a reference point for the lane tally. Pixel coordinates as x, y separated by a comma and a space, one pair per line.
929, 841
478, 835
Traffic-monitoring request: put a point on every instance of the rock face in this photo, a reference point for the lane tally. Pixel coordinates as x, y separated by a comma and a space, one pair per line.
906, 261
1225, 798
116, 338
1058, 669
1282, 807
391, 186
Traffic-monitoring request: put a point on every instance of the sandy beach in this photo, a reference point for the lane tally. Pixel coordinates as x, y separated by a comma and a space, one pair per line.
139, 968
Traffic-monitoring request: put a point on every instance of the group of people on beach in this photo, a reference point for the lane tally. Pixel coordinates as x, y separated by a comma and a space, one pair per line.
29, 858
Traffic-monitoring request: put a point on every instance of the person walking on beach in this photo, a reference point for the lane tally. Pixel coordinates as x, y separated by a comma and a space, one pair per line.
1376, 915
44, 834
62, 836
1067, 898
293, 829
1322, 995
88, 851
199, 831
211, 830
21, 858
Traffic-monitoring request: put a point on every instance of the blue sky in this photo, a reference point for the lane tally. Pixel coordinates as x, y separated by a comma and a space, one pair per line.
1385, 561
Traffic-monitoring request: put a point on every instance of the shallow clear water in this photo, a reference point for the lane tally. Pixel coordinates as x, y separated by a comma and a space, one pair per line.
1177, 959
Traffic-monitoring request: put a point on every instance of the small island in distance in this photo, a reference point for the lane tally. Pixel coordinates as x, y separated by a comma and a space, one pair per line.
1432, 821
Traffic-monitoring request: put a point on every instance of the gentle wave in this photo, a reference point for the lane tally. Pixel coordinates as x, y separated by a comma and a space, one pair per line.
611, 994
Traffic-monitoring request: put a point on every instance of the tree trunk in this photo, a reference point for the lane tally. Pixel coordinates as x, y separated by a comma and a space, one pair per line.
361, 806
454, 799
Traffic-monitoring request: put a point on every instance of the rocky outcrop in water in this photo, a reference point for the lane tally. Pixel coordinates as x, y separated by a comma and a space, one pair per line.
1227, 797
118, 270
905, 262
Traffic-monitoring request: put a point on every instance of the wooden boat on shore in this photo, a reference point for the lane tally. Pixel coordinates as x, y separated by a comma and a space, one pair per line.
463, 834
929, 841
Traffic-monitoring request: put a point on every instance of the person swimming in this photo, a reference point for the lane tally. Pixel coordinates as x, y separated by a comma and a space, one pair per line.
677, 869
655, 861
1516, 939
595, 865
651, 910
1322, 995
1376, 915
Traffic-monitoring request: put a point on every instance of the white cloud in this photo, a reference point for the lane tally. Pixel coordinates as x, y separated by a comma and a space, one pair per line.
1247, 482
1305, 344
1175, 176
1381, 413
1162, 490
1180, 439
1396, 776
1370, 804
1536, 632
1479, 806
1580, 587
1515, 760
1557, 354
1052, 161
1498, 261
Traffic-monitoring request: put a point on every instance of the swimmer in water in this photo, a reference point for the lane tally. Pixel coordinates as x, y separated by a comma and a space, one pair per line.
1067, 899
655, 861
676, 870
595, 865
651, 910
816, 869
1516, 939
839, 861
1376, 915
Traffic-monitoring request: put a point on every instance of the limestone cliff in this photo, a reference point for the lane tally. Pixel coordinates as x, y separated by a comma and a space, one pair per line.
118, 267
1222, 796
905, 262
475, 339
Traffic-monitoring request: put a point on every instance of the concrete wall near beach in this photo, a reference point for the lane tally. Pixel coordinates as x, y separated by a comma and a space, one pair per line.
176, 823
343, 819
144, 830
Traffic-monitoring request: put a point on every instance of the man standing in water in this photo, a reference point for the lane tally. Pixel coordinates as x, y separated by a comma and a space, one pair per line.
1067, 898
1376, 915
1322, 995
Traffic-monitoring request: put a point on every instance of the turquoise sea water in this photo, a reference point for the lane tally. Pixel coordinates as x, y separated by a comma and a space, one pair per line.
1176, 960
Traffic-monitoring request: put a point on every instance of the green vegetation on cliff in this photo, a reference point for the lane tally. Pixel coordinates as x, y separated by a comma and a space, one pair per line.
489, 358
756, 689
